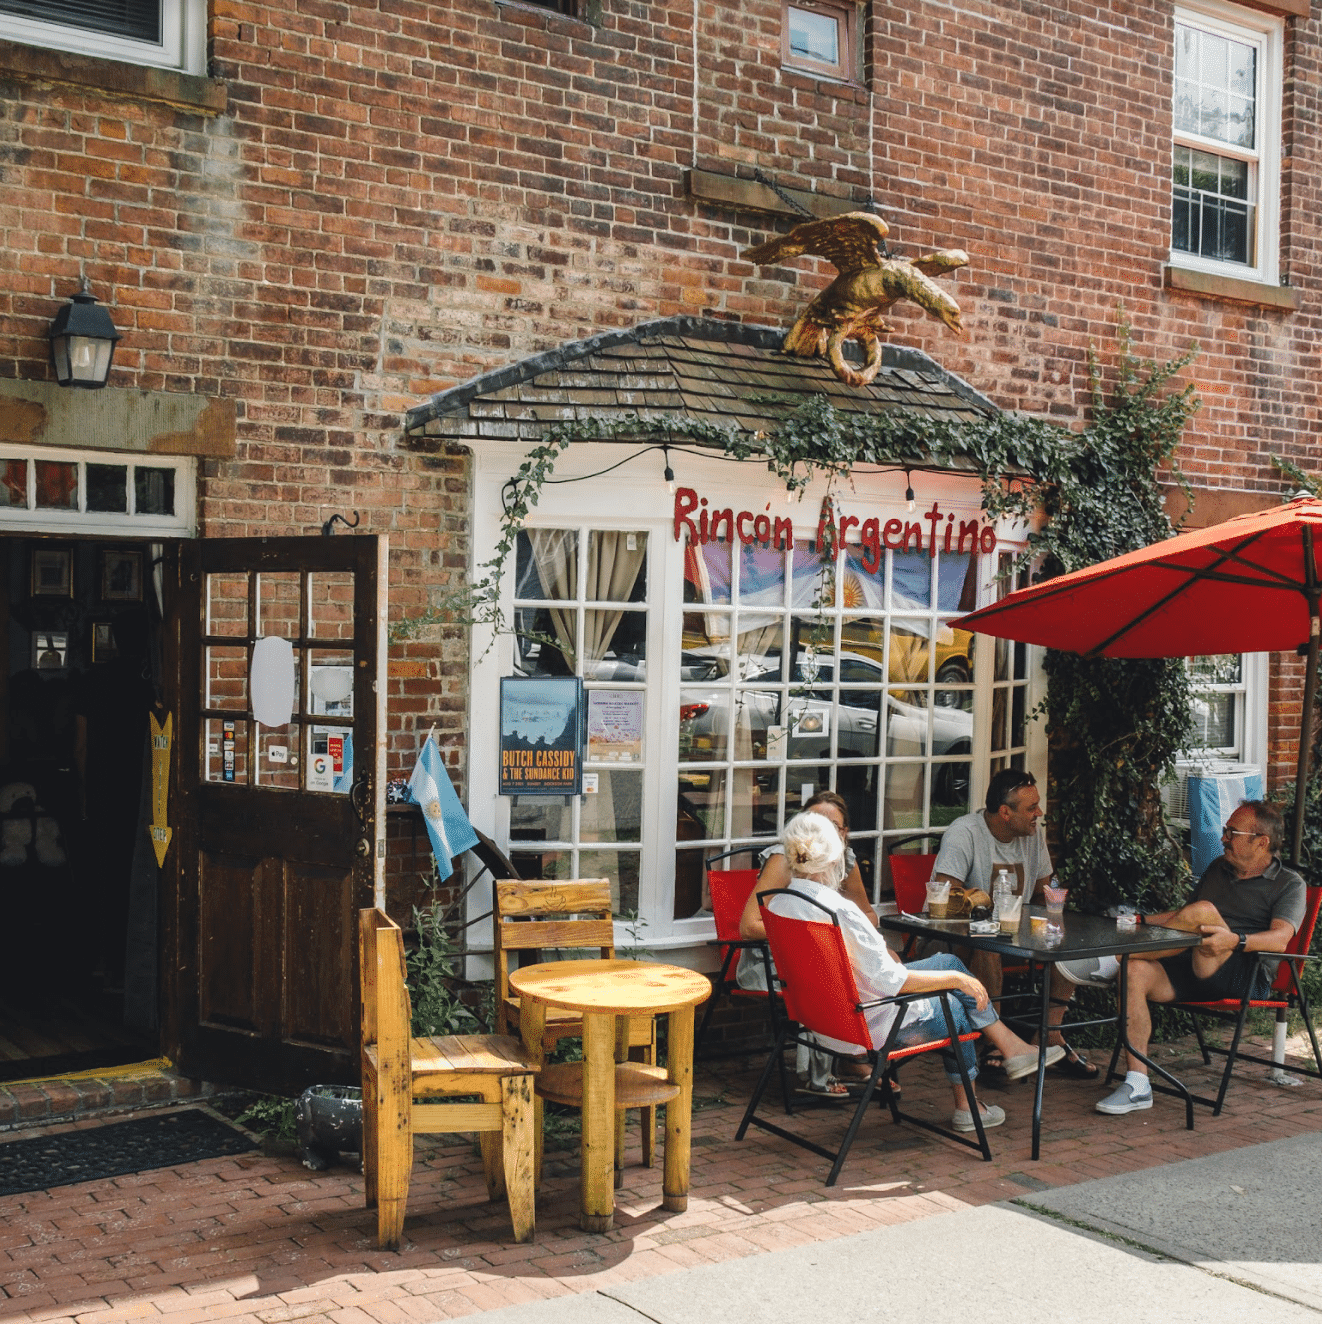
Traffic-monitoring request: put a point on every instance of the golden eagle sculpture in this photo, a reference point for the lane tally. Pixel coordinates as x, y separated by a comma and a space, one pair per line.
853, 306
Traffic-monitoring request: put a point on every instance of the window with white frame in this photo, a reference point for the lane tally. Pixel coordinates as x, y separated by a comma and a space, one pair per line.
1226, 103
581, 609
168, 34
802, 672
97, 492
1220, 696
730, 669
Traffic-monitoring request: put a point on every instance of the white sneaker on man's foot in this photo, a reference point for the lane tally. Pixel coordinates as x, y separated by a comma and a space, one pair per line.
963, 1117
1124, 1100
1090, 970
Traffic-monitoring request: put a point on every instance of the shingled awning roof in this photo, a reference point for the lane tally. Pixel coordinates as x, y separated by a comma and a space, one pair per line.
719, 372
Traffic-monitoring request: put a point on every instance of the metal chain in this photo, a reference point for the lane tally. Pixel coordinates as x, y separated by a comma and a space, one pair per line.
797, 206
793, 203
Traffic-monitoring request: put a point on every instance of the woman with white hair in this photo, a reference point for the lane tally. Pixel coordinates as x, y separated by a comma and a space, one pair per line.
815, 856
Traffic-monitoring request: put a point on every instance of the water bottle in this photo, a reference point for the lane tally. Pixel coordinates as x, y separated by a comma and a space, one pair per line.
1002, 890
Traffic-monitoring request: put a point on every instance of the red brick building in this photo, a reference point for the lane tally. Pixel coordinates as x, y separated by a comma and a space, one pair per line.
309, 218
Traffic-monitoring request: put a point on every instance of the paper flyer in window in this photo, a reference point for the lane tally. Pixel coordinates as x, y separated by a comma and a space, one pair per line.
615, 726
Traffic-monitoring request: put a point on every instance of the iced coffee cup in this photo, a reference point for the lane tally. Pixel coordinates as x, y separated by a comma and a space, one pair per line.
1011, 908
938, 899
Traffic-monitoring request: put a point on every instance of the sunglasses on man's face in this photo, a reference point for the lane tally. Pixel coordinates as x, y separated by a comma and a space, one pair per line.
1228, 831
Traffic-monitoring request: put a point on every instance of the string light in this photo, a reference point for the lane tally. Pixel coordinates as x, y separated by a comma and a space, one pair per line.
669, 473
908, 491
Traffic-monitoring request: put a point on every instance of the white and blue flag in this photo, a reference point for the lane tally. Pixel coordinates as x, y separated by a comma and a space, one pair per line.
447, 825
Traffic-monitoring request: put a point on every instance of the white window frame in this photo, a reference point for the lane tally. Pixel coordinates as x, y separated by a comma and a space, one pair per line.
639, 499
1265, 32
1250, 697
183, 44
34, 519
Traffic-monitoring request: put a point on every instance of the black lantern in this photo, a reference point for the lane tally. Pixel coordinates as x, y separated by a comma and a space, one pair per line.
82, 341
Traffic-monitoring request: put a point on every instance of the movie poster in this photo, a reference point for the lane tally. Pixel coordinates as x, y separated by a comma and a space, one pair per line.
541, 736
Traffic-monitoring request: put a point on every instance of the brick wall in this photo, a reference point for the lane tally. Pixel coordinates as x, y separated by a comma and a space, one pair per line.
399, 196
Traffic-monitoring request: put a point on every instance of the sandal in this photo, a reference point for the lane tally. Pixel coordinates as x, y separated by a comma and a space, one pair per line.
991, 1070
1076, 1066
834, 1091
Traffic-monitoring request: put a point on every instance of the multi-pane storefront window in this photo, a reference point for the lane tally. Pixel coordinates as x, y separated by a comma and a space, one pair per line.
802, 672
581, 609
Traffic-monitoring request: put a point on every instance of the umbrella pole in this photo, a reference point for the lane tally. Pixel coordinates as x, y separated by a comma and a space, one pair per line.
1310, 699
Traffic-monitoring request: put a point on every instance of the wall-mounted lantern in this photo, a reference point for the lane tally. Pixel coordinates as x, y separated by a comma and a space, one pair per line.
82, 341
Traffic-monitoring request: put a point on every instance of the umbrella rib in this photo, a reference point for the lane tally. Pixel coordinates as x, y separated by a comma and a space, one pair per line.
1206, 572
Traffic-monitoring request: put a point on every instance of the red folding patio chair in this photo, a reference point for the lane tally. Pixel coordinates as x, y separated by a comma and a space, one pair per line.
729, 890
817, 982
1286, 994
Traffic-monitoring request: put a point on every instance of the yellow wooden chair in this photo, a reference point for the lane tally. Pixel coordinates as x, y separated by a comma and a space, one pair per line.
399, 1069
566, 916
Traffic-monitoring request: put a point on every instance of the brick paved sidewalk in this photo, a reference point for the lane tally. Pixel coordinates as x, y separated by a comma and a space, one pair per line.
262, 1239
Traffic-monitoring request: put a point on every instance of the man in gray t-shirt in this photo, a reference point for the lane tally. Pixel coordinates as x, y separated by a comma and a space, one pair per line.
1006, 833
1245, 902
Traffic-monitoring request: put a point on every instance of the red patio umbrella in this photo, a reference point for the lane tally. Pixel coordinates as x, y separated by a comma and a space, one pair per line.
1248, 585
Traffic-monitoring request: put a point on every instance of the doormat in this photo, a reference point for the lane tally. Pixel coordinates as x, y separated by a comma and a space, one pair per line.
165, 1141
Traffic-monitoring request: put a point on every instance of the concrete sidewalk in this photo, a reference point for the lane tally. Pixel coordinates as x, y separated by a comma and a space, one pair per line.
1237, 1236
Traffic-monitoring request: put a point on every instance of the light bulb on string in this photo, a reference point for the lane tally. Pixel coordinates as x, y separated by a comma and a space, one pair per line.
669, 474
908, 491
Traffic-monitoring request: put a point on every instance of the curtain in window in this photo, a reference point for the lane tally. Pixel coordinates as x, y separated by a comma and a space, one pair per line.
612, 573
556, 551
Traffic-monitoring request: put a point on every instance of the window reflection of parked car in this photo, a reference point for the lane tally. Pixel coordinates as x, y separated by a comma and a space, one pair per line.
795, 723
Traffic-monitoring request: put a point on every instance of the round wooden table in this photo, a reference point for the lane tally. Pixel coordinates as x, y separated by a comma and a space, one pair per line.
602, 991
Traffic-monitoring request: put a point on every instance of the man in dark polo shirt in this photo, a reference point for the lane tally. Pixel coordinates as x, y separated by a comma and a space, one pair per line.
1245, 902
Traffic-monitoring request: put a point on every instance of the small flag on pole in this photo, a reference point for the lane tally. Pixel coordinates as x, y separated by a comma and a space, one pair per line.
447, 825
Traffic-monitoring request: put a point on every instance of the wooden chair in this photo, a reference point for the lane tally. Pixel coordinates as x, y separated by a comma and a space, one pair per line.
1286, 993
399, 1069
564, 916
817, 983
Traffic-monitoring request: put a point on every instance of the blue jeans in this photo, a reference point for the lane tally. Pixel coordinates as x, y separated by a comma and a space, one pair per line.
963, 1011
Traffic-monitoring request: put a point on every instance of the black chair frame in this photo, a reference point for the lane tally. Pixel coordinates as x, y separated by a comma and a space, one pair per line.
879, 1058
1196, 1011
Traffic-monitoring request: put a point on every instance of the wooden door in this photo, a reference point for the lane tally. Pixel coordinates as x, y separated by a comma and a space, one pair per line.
281, 828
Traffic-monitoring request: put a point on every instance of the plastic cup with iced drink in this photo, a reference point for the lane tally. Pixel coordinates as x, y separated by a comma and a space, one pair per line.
1011, 908
938, 899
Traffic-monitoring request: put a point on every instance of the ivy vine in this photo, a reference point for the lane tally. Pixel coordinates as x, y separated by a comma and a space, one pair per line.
1115, 726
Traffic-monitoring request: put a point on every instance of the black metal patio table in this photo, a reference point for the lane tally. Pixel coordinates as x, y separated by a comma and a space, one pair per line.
1084, 936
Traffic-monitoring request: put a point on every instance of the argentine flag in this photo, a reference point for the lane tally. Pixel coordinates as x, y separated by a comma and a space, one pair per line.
447, 825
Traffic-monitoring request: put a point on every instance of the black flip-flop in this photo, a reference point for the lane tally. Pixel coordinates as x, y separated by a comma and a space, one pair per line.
1076, 1066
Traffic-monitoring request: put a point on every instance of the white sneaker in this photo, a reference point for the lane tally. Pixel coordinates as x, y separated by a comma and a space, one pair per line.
963, 1117
1124, 1100
1086, 971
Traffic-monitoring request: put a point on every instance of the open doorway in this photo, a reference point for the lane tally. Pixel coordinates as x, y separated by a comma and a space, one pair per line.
79, 667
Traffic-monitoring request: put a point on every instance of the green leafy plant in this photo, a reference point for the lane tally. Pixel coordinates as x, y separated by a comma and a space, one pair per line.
432, 974
271, 1116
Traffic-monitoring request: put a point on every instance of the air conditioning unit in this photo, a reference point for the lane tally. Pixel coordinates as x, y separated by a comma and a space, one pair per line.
1175, 791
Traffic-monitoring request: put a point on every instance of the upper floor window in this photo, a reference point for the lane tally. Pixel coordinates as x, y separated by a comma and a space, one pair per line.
1226, 151
170, 34
821, 38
